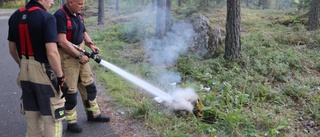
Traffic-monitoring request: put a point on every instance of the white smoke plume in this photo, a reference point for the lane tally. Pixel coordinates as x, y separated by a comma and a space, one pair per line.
175, 42
165, 53
182, 99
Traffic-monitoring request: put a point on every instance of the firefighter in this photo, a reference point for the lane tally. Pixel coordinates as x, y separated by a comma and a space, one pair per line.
33, 41
71, 30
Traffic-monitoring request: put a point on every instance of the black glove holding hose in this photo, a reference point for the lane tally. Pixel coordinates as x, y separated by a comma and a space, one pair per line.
63, 85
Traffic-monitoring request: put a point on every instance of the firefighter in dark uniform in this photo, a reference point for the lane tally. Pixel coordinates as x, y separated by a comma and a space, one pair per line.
71, 30
33, 41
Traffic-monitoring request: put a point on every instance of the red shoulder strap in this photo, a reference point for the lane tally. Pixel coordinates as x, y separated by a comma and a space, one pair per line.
24, 35
22, 9
34, 8
69, 25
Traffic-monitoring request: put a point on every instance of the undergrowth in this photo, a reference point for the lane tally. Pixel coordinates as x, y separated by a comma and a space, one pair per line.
271, 90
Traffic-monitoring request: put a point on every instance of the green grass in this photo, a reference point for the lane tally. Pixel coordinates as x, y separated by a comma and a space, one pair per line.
12, 4
271, 90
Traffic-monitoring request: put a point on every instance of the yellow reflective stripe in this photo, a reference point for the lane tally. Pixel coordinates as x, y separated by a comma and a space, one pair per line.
74, 115
58, 129
92, 108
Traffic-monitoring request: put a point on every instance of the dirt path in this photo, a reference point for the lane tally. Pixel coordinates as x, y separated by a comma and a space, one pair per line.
122, 125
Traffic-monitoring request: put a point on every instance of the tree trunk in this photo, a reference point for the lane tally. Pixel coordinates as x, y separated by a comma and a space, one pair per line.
264, 4
153, 5
247, 3
179, 3
144, 2
260, 3
100, 12
168, 15
313, 21
233, 41
161, 20
117, 5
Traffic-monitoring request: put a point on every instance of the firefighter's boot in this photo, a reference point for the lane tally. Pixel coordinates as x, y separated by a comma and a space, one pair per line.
99, 118
94, 113
74, 127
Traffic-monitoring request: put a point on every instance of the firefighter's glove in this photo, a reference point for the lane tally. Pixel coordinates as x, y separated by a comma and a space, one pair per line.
63, 85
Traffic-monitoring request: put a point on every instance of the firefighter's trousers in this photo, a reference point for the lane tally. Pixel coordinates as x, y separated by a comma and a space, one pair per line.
79, 76
41, 99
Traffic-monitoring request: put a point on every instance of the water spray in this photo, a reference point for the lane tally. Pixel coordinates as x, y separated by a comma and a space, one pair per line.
141, 83
179, 100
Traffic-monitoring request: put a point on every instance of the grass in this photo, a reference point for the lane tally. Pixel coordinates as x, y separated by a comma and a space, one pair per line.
271, 90
12, 4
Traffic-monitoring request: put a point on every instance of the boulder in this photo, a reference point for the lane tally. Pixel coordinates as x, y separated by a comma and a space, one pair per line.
207, 38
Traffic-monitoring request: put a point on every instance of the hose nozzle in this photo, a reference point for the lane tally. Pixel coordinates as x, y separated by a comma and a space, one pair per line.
92, 55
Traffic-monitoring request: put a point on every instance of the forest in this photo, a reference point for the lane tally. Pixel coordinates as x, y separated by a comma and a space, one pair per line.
254, 64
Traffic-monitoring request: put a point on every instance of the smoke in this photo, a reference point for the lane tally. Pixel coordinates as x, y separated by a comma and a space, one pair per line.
183, 99
166, 76
163, 53
175, 42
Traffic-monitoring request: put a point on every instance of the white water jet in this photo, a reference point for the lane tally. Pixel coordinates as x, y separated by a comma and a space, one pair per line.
181, 99
139, 82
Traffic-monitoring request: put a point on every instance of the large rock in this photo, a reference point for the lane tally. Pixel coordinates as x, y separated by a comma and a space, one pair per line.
207, 36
